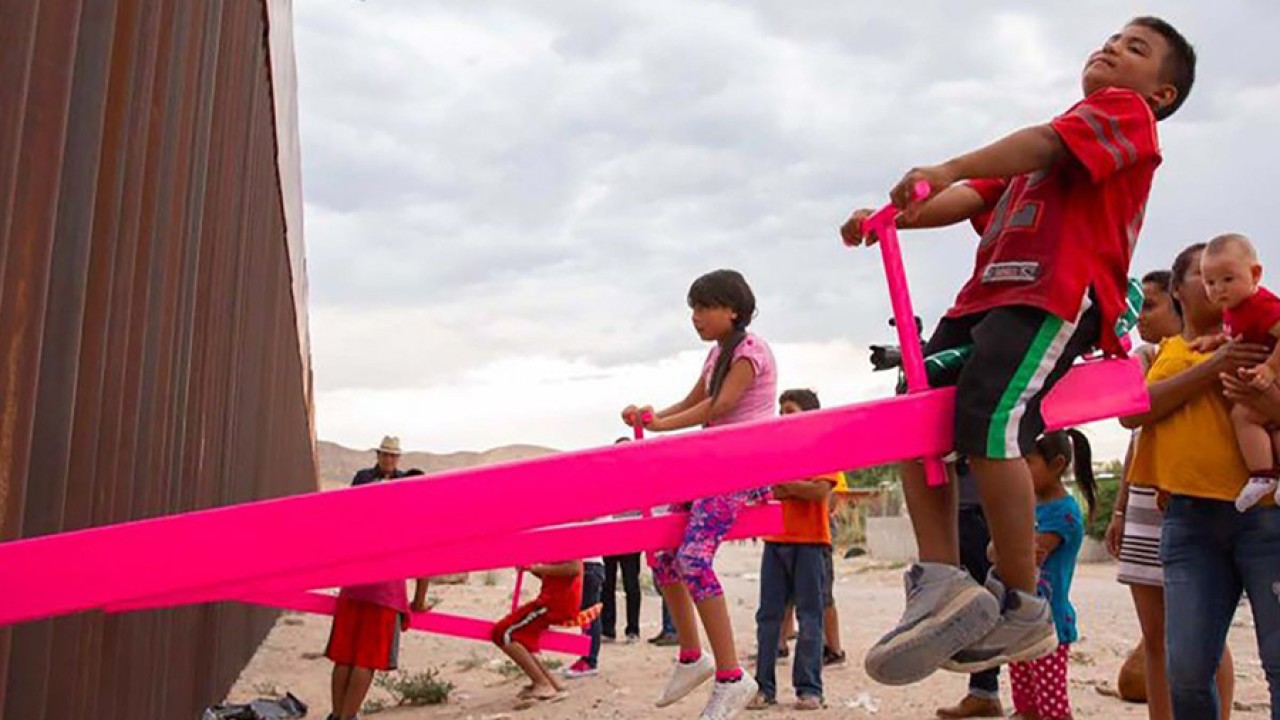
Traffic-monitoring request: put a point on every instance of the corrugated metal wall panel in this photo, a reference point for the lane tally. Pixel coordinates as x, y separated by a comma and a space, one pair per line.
153, 350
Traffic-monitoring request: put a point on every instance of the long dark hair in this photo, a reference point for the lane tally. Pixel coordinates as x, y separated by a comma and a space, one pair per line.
725, 289
1073, 447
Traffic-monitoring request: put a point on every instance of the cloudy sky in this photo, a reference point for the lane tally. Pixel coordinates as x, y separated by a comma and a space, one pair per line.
507, 201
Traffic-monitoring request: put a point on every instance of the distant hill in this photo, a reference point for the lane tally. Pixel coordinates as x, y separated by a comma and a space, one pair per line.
338, 463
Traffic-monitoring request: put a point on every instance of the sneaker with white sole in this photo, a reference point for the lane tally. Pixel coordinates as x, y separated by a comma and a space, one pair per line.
730, 698
1253, 492
1024, 633
946, 611
685, 678
580, 669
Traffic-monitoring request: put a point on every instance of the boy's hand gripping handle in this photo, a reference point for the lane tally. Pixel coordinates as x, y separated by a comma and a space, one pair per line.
884, 224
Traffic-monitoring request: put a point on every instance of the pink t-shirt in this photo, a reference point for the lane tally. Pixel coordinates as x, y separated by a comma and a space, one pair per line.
391, 594
758, 401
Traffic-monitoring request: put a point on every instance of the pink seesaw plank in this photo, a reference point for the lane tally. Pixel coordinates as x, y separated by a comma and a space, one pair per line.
72, 572
433, 622
612, 537
1075, 399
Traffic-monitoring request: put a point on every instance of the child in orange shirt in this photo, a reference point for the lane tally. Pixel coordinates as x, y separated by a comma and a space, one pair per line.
793, 570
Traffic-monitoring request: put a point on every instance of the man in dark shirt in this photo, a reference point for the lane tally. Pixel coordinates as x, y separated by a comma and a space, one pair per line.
387, 467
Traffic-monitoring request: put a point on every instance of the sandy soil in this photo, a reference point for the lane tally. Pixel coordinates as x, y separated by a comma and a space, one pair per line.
869, 596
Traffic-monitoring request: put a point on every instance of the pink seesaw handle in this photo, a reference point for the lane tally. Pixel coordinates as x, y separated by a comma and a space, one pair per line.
638, 428
884, 224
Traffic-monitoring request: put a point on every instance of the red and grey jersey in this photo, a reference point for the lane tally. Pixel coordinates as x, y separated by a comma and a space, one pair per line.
1050, 237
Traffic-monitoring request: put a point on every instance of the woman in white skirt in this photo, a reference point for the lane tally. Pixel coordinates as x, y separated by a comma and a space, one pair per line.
1133, 535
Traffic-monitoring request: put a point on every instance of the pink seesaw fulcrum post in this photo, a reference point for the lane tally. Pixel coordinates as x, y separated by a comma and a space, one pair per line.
884, 225
87, 569
610, 537
436, 623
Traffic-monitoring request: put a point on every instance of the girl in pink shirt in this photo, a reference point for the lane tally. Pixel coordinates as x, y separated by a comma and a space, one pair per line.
737, 384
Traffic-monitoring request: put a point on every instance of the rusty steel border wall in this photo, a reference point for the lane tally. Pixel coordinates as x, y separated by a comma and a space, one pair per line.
153, 335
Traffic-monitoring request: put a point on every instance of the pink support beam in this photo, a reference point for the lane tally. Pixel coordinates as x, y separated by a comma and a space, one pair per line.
72, 572
613, 537
433, 622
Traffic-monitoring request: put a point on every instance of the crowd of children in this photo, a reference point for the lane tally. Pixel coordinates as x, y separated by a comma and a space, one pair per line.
1059, 207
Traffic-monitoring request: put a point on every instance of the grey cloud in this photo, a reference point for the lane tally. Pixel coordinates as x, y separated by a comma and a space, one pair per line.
551, 177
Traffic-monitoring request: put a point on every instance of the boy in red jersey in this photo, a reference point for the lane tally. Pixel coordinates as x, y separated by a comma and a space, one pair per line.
1059, 207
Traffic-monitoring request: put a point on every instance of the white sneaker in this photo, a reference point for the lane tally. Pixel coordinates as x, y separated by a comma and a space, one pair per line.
1253, 491
730, 698
685, 678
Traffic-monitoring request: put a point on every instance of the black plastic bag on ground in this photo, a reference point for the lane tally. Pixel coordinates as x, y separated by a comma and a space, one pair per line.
285, 708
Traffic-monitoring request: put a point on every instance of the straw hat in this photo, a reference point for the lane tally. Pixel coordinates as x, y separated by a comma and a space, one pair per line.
390, 445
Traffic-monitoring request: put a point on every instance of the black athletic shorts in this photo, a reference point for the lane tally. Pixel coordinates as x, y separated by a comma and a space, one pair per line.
1019, 354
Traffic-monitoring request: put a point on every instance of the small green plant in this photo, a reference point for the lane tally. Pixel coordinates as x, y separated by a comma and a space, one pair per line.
372, 707
474, 661
424, 688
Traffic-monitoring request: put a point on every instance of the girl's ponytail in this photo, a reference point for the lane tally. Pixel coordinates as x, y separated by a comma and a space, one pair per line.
1082, 464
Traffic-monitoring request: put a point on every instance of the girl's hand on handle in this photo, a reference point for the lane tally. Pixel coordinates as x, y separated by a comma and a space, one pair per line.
1114, 534
632, 414
853, 233
651, 421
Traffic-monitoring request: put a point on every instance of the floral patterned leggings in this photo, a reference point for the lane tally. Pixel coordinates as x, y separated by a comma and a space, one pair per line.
691, 563
1040, 686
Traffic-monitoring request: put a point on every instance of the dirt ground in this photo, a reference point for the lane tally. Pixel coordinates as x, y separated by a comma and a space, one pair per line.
869, 596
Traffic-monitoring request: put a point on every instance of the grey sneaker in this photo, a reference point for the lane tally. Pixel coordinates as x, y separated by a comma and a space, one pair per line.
1025, 632
946, 612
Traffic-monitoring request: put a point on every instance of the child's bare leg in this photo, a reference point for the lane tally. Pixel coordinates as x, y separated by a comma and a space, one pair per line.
831, 629
1256, 444
543, 684
714, 612
1009, 503
338, 686
933, 515
1257, 448
680, 605
357, 690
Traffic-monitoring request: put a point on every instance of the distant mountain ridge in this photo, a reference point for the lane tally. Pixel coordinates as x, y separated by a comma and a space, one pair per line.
338, 463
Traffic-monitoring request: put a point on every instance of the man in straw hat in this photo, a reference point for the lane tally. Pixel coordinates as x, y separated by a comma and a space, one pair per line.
388, 465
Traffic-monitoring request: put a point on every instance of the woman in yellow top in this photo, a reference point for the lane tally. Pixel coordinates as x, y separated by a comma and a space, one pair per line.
1211, 552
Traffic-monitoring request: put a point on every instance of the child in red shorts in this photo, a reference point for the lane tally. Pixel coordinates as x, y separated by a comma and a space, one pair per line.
365, 638
1059, 206
517, 634
1251, 313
